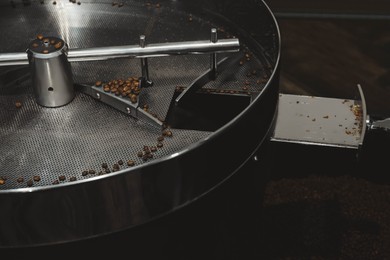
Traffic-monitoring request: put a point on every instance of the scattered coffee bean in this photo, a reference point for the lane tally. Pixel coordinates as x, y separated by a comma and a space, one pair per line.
130, 163
140, 154
2, 182
30, 183
55, 182
20, 180
92, 172
73, 178
36, 178
84, 173
62, 178
104, 165
168, 133
160, 145
160, 138
153, 149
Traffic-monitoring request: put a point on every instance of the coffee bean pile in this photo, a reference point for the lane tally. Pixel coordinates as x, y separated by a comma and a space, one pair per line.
130, 88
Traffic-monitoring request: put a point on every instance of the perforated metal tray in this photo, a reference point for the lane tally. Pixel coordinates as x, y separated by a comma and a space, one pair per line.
52, 181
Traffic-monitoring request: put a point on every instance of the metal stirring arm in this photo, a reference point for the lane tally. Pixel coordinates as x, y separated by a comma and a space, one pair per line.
49, 59
133, 51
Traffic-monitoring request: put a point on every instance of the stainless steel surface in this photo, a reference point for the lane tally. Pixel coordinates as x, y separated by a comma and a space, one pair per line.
144, 62
134, 51
319, 121
121, 104
13, 59
202, 80
383, 124
51, 74
153, 50
51, 149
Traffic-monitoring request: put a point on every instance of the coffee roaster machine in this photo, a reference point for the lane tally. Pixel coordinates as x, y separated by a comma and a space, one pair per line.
133, 126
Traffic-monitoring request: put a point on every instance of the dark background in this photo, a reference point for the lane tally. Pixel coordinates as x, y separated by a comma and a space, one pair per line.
320, 204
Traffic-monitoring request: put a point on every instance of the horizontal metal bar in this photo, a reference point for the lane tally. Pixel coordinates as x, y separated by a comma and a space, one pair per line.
134, 51
13, 58
329, 15
153, 50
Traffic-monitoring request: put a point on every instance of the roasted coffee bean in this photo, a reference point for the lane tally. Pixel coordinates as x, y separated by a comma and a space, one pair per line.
20, 180
18, 104
120, 162
130, 163
30, 183
36, 178
116, 166
107, 170
58, 45
40, 37
55, 182
140, 154
145, 157
98, 83
62, 178
2, 182
104, 165
149, 155
100, 173
84, 173
133, 98
92, 172
153, 149
168, 133
160, 145
45, 51
73, 178
160, 138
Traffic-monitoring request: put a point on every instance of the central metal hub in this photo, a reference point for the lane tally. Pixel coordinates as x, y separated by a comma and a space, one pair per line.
51, 73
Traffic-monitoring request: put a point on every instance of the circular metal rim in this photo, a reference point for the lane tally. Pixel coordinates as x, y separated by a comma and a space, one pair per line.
142, 170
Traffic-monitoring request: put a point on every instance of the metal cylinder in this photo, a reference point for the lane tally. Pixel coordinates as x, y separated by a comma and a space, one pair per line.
51, 73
